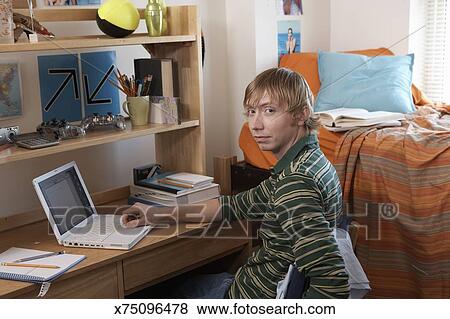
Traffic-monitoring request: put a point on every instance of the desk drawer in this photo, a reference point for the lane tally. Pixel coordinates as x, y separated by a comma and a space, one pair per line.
175, 258
99, 283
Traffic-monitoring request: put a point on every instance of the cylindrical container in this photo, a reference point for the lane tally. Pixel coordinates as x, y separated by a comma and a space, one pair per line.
138, 108
154, 18
6, 22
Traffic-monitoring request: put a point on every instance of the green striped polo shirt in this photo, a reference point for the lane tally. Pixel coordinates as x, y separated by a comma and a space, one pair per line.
298, 205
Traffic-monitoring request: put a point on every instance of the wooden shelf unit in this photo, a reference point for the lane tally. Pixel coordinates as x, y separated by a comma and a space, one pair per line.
91, 41
92, 138
165, 253
182, 43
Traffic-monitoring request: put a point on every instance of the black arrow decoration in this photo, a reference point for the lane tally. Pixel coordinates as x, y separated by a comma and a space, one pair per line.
71, 75
91, 97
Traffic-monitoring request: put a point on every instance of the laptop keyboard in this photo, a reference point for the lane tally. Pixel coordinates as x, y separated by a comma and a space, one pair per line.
97, 232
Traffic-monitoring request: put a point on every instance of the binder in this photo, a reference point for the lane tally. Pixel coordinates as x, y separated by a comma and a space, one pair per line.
164, 81
36, 275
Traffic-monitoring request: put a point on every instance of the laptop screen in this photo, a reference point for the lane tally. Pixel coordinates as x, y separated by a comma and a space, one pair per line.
66, 199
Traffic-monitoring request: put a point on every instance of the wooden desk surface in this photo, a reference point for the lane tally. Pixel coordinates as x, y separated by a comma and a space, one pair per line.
39, 236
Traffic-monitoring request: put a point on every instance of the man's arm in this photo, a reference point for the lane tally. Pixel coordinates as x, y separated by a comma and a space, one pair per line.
301, 216
246, 205
140, 214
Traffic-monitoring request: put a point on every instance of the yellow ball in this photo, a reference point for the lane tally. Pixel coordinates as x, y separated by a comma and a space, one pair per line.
117, 18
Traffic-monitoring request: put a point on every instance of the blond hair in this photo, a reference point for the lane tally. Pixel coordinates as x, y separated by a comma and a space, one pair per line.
287, 88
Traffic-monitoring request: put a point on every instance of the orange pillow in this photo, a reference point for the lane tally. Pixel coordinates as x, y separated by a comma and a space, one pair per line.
419, 98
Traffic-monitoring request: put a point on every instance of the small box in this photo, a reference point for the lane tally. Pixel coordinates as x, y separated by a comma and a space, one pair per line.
165, 110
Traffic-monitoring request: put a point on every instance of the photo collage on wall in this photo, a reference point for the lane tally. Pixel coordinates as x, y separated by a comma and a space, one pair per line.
289, 26
49, 3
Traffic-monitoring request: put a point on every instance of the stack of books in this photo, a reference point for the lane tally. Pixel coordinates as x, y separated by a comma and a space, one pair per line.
170, 189
344, 119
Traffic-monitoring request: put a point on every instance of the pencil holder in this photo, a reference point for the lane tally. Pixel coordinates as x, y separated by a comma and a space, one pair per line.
138, 109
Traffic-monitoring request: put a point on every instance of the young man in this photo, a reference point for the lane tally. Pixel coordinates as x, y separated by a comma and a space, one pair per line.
298, 205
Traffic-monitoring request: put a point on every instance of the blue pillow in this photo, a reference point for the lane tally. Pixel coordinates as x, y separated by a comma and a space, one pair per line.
381, 83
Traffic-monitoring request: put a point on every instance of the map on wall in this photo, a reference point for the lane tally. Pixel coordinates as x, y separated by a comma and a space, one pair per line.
10, 94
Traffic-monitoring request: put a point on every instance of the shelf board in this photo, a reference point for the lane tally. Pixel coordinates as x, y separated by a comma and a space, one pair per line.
91, 41
92, 138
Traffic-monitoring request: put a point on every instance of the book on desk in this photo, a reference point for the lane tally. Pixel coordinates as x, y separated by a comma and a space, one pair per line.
170, 189
164, 75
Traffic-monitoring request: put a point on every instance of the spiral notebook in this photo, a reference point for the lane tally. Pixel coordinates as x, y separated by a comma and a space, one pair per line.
36, 275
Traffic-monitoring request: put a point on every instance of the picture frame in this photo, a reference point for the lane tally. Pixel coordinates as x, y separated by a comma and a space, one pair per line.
11, 99
48, 4
289, 36
289, 7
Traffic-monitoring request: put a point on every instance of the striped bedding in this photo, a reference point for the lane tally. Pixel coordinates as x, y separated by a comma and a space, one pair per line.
396, 182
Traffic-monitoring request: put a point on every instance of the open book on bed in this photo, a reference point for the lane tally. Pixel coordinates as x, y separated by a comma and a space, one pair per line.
343, 119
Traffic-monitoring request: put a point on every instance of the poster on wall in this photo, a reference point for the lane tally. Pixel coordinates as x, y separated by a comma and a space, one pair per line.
71, 93
59, 87
99, 95
289, 37
10, 90
289, 7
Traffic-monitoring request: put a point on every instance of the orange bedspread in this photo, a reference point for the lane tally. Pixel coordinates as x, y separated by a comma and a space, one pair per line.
396, 183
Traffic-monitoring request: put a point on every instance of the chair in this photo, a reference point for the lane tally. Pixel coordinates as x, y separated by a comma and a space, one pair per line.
295, 283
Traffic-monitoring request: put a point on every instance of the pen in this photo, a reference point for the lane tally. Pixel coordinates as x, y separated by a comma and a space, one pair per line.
39, 256
29, 265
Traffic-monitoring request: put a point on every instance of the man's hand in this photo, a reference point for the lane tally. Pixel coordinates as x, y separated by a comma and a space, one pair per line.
162, 216
135, 216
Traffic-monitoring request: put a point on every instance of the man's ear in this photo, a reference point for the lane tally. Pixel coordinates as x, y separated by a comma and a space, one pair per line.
301, 117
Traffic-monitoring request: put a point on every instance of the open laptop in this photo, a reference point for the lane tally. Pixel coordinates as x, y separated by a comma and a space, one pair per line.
72, 215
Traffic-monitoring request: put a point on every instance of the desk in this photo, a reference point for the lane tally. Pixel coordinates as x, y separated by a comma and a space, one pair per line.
162, 254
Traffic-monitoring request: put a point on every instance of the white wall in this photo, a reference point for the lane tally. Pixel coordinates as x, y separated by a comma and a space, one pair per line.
252, 46
215, 80
241, 61
363, 24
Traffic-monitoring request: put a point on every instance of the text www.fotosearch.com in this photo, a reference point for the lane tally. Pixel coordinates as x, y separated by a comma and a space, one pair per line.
239, 309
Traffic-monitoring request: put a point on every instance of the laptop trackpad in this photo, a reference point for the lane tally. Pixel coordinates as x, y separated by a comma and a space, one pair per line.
124, 235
